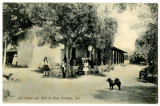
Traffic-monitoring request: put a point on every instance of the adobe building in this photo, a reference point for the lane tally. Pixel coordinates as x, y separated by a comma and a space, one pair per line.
26, 57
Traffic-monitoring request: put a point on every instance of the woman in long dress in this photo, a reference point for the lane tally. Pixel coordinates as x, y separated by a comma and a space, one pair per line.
45, 67
15, 60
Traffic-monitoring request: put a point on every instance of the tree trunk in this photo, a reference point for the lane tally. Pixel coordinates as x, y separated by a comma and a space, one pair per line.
102, 62
70, 52
102, 66
67, 69
68, 56
5, 54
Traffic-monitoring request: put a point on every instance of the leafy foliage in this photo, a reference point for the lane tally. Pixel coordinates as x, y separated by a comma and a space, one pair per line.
15, 22
62, 23
147, 44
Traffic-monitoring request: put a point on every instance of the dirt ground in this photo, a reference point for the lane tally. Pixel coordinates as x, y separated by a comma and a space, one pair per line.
31, 87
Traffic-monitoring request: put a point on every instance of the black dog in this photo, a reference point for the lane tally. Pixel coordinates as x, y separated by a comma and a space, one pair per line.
8, 77
111, 83
118, 83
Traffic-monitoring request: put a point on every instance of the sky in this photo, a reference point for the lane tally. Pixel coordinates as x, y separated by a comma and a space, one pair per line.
130, 26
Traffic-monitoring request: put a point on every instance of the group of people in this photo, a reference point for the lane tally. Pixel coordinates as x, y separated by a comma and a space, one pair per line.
46, 68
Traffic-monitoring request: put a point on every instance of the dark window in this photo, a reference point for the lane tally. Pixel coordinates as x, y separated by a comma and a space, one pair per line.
87, 53
74, 53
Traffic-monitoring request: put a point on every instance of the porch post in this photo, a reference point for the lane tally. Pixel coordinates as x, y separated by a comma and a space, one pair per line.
120, 59
123, 58
114, 57
117, 57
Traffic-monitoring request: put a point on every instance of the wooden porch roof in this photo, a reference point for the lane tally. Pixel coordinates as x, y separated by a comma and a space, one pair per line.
119, 50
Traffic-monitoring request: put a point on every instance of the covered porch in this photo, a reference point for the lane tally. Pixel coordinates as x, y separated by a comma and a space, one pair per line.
93, 56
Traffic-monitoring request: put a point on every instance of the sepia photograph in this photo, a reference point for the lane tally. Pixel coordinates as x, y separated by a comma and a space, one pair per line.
79, 53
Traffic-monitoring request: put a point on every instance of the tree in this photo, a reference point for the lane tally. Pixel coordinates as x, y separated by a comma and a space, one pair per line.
68, 24
147, 43
74, 25
104, 37
15, 24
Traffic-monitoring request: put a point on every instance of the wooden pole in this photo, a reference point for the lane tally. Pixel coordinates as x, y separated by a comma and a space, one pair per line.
117, 58
114, 57
5, 54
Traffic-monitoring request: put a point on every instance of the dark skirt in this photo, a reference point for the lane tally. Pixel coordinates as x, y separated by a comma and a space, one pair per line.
45, 68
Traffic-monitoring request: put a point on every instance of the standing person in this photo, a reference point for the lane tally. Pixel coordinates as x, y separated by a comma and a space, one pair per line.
85, 68
45, 67
63, 66
15, 60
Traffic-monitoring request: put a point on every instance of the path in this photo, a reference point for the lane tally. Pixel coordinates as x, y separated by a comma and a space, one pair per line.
84, 89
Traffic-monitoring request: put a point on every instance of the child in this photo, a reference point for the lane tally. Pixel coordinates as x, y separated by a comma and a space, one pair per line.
85, 68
